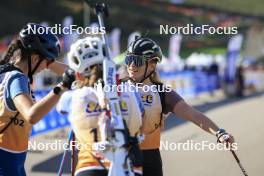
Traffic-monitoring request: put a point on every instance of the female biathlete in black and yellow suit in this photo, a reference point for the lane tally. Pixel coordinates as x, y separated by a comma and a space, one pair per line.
141, 59
26, 56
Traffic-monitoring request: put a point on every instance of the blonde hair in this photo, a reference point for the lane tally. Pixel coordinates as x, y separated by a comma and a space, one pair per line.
155, 78
79, 84
87, 81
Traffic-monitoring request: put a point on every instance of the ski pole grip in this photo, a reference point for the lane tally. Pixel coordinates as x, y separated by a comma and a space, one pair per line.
101, 8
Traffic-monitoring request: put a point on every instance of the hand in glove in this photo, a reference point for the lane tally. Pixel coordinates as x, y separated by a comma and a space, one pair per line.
224, 137
68, 78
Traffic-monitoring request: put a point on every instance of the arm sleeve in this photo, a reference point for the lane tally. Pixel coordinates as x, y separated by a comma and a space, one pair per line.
171, 99
16, 85
64, 103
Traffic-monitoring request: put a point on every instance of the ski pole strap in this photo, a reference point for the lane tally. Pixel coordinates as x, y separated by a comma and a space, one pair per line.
9, 123
99, 161
218, 138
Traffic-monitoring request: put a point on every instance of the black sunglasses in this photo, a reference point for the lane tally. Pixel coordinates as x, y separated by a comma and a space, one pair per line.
136, 59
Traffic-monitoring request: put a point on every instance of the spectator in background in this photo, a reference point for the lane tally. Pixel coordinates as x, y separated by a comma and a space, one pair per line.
213, 74
239, 81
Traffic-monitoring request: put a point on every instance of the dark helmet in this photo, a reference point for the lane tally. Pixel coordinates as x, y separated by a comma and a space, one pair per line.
145, 47
39, 38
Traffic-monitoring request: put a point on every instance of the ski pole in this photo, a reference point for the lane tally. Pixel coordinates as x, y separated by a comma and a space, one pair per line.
65, 153
73, 155
238, 162
121, 165
101, 10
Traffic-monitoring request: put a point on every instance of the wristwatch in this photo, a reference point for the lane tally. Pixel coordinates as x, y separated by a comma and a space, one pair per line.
220, 132
57, 90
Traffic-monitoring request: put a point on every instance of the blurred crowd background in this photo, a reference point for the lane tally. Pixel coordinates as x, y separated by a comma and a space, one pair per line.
192, 64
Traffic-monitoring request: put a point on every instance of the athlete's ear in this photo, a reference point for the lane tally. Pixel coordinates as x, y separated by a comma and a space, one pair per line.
34, 58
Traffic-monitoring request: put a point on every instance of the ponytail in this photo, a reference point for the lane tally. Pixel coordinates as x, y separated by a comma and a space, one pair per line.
14, 46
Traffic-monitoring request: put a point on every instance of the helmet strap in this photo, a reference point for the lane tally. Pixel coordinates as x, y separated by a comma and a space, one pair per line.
145, 73
29, 68
146, 69
31, 72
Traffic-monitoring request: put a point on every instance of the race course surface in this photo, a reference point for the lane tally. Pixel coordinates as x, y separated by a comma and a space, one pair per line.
241, 117
244, 119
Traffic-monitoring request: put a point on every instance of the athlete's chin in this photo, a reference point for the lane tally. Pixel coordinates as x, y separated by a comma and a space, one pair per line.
133, 75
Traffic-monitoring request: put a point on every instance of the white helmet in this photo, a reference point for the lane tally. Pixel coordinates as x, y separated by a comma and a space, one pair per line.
85, 53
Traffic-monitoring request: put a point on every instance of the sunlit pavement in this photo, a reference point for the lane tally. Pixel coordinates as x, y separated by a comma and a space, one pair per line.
242, 117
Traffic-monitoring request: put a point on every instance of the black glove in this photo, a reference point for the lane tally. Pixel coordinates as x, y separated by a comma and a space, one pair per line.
134, 153
68, 78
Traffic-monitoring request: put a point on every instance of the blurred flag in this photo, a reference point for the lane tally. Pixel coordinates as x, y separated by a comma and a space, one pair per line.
233, 50
68, 38
174, 61
115, 41
174, 46
177, 1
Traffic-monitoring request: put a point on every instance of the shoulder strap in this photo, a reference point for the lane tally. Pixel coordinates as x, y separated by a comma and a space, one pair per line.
162, 100
8, 67
161, 94
3, 69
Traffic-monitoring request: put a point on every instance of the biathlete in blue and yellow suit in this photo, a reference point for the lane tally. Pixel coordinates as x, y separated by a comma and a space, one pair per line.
26, 56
